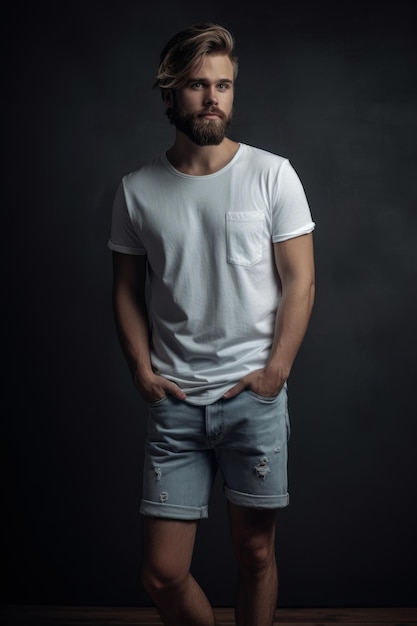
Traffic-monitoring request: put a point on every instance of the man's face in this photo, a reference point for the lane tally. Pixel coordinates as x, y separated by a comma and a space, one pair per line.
203, 108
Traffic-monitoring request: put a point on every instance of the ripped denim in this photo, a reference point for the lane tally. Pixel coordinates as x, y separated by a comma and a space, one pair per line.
245, 438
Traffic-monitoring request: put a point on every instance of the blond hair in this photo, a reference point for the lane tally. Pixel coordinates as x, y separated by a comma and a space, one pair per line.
190, 46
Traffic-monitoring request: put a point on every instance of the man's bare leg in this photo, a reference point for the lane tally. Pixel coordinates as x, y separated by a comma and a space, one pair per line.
168, 549
253, 534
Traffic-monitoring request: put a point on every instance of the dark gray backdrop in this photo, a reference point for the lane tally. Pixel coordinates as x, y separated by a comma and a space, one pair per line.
331, 86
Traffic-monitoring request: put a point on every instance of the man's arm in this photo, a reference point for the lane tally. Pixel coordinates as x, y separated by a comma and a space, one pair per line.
294, 260
131, 317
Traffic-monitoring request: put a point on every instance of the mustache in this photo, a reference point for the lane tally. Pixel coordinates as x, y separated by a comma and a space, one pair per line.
212, 110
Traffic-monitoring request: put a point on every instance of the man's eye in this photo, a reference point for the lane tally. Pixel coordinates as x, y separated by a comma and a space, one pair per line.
223, 86
196, 85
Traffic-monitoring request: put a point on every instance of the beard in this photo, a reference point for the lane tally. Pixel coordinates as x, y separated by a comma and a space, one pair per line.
201, 131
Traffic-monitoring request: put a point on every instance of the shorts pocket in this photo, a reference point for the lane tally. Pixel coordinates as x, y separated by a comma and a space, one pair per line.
262, 398
244, 233
157, 402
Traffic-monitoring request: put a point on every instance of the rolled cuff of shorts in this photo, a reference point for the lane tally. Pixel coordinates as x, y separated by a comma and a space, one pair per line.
172, 511
256, 502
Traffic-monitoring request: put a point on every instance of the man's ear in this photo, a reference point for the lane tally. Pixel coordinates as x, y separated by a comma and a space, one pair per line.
167, 97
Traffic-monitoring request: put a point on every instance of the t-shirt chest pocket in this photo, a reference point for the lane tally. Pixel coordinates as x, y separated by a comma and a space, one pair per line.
244, 234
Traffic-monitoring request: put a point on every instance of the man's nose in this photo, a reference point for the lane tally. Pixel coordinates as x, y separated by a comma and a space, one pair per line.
211, 96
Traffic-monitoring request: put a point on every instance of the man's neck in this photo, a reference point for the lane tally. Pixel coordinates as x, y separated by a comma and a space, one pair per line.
189, 158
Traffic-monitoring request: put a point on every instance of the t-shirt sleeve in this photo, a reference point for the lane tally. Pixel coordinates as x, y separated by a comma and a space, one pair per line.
124, 237
291, 215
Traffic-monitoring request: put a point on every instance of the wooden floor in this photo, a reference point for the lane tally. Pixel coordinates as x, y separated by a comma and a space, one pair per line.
91, 616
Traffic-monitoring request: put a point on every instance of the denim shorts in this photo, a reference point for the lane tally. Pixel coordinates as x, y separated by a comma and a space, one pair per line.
244, 437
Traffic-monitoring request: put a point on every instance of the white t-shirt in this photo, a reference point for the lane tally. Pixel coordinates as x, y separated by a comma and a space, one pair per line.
208, 241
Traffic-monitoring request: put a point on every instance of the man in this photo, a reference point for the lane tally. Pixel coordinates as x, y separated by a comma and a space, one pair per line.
224, 233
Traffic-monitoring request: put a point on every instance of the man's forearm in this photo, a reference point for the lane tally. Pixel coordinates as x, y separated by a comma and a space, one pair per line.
133, 331
291, 326
132, 323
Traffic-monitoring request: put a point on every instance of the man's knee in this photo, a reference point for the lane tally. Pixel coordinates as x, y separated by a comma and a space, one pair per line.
163, 578
255, 555
168, 547
253, 533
